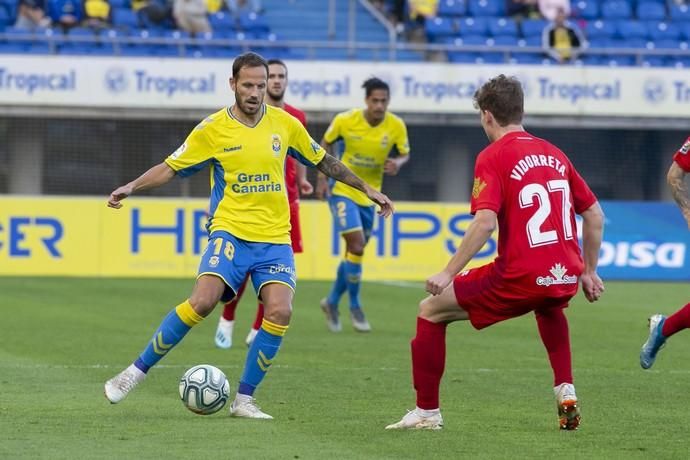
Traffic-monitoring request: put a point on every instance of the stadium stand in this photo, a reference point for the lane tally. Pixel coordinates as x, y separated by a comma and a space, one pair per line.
618, 32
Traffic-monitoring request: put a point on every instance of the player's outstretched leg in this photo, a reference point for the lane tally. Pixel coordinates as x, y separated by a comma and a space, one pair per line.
226, 323
256, 326
655, 341
568, 409
329, 305
171, 331
353, 270
428, 364
554, 333
660, 329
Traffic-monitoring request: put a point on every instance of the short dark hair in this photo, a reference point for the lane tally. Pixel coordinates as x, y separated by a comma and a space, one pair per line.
276, 61
373, 84
248, 59
503, 97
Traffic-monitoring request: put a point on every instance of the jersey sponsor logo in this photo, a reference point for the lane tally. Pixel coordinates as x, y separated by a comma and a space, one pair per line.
213, 261
255, 183
685, 148
276, 143
315, 146
234, 148
559, 277
477, 187
180, 150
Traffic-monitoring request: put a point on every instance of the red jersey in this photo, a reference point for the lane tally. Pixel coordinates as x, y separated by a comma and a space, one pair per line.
682, 156
290, 165
535, 191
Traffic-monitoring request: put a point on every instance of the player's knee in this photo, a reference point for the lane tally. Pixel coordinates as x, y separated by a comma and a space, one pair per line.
202, 303
278, 313
356, 248
425, 308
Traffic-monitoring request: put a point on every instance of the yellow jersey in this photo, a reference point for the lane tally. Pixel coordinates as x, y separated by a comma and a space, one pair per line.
366, 148
248, 194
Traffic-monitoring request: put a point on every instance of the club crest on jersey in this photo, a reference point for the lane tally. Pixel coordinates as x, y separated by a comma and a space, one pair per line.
384, 141
559, 277
275, 143
478, 186
685, 148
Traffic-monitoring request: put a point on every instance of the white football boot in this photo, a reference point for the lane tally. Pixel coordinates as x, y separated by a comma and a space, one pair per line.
419, 419
245, 406
223, 337
568, 409
117, 388
332, 316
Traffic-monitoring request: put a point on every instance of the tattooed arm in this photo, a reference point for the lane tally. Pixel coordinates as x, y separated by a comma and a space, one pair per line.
332, 167
679, 189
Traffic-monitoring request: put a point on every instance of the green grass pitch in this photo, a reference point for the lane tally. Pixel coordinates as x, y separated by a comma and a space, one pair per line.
331, 394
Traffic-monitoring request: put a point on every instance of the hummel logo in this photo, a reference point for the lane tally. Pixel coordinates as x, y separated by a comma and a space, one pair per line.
232, 149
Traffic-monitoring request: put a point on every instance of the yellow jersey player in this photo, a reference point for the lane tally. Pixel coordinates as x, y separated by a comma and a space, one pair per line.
368, 136
245, 147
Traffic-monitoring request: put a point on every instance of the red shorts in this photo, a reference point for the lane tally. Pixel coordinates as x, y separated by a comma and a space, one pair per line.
487, 301
295, 232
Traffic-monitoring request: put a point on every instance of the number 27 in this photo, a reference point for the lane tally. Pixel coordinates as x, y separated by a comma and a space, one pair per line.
536, 236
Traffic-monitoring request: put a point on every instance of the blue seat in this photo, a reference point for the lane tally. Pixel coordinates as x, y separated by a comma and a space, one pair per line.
506, 40
684, 28
600, 29
491, 58
124, 17
616, 9
463, 57
13, 48
499, 27
600, 42
631, 29
532, 27
222, 21
452, 8
529, 59
473, 26
586, 9
663, 31
439, 27
483, 8
38, 48
119, 4
619, 60
640, 43
252, 22
534, 40
669, 44
679, 12
651, 11
654, 61
474, 40
409, 56
591, 59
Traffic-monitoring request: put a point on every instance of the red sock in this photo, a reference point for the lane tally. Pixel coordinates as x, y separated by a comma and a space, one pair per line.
230, 307
553, 329
677, 322
259, 317
428, 362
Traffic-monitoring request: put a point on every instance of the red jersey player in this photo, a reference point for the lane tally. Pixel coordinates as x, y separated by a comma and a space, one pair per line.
533, 190
661, 327
296, 183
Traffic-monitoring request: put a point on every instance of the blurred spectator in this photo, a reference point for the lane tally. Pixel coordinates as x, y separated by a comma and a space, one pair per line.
66, 13
31, 14
96, 14
238, 7
152, 12
214, 6
549, 8
562, 40
190, 16
523, 9
423, 8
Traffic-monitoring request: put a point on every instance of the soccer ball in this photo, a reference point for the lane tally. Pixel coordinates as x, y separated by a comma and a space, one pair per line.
204, 389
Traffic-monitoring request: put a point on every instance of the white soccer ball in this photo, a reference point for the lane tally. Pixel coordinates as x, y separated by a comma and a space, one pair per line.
204, 389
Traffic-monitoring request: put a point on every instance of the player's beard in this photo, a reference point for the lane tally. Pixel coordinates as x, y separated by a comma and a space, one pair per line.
276, 97
247, 109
